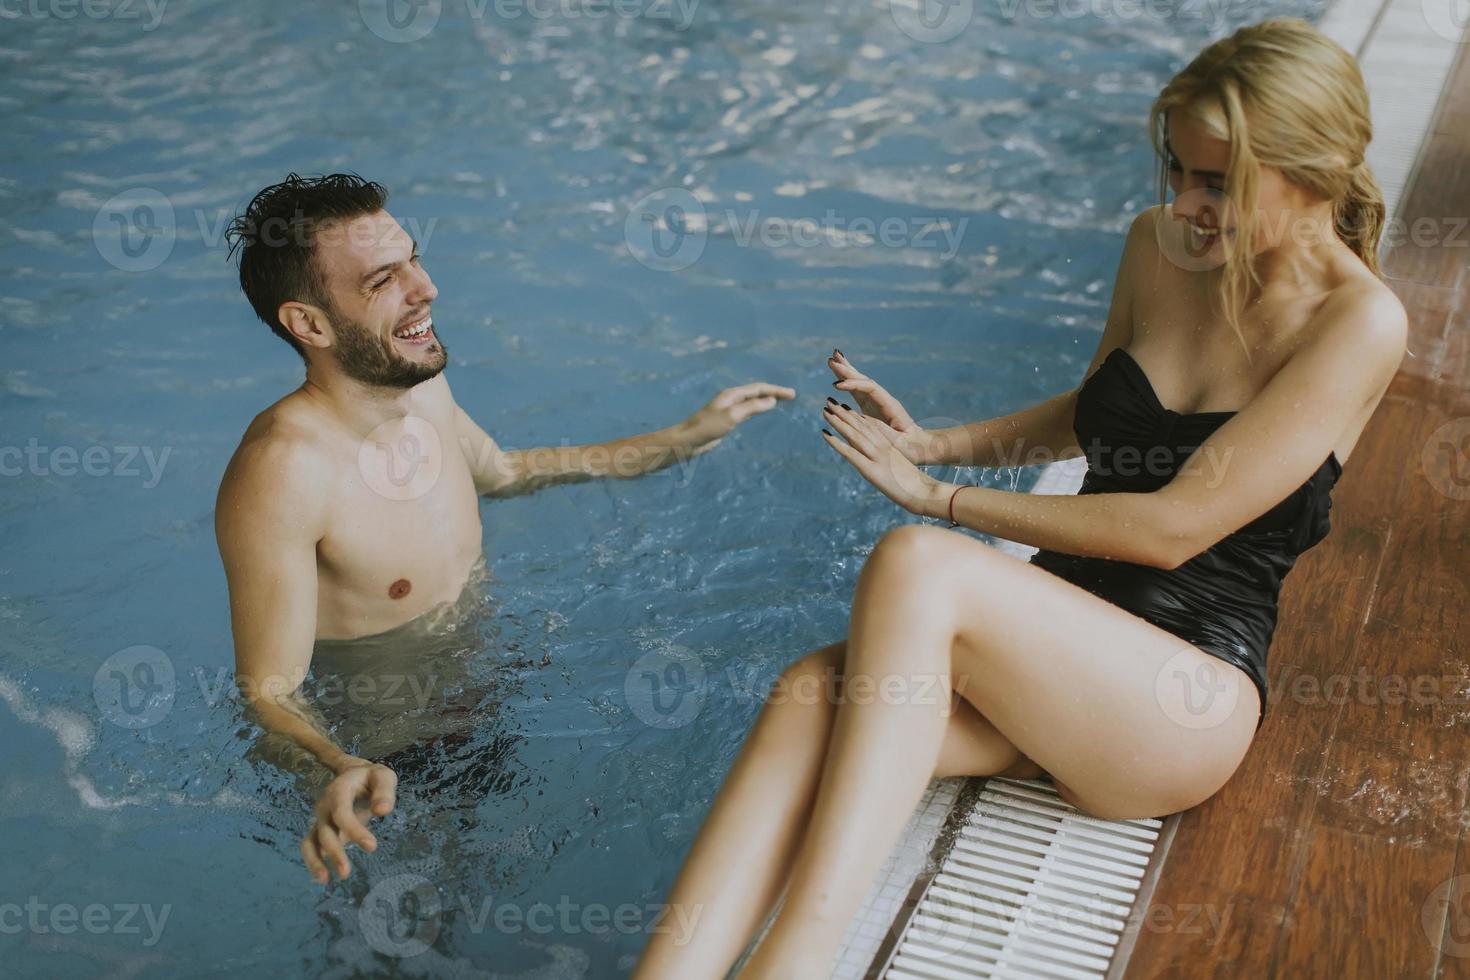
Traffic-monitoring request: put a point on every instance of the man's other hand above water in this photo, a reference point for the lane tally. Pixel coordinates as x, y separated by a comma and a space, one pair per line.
361, 791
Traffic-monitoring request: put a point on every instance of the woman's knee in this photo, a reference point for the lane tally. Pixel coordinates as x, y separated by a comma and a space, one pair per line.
914, 560
813, 680
908, 545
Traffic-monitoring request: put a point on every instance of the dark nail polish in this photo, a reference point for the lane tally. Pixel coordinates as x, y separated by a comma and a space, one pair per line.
840, 354
836, 383
828, 433
832, 401
847, 406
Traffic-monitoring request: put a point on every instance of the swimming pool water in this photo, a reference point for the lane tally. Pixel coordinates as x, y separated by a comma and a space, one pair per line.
948, 212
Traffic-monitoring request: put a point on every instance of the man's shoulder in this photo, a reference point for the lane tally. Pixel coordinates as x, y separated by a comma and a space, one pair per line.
287, 435
283, 455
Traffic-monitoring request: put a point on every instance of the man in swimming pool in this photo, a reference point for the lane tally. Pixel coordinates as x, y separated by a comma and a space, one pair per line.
350, 506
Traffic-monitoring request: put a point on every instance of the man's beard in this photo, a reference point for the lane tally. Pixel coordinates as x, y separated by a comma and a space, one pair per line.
363, 357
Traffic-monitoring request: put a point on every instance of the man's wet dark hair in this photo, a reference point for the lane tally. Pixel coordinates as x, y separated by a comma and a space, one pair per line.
276, 237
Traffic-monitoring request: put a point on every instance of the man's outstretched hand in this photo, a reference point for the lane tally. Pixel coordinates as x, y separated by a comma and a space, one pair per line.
731, 407
358, 794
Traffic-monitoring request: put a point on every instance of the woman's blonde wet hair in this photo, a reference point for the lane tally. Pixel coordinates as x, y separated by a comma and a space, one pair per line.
1284, 95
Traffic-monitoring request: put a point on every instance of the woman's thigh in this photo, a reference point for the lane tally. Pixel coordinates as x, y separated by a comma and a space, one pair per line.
1127, 718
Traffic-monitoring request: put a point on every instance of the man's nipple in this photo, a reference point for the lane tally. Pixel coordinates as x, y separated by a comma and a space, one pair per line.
400, 588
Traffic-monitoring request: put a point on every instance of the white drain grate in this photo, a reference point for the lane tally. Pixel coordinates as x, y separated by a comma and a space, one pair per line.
1031, 887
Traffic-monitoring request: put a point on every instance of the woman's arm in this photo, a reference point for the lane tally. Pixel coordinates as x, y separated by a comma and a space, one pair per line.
1033, 436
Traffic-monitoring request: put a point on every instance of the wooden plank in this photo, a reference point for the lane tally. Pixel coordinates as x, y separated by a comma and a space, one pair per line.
1429, 241
1434, 312
1348, 925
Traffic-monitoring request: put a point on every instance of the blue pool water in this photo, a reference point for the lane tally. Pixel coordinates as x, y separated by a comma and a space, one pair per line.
153, 838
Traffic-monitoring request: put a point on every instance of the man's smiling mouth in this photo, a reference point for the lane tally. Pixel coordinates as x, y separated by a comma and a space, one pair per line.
418, 332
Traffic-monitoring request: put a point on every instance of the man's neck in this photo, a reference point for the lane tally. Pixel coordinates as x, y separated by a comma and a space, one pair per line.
362, 407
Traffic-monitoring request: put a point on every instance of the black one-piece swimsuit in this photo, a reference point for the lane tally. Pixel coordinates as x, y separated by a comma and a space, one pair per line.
1222, 600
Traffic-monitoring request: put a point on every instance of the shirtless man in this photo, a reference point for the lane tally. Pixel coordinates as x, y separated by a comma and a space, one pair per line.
350, 506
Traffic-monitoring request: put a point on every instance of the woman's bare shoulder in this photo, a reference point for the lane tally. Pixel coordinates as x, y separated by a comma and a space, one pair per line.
1363, 314
1144, 232
1356, 281
1357, 295
1152, 237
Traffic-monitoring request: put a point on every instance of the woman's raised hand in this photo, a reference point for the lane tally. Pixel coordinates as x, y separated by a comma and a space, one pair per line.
862, 440
899, 427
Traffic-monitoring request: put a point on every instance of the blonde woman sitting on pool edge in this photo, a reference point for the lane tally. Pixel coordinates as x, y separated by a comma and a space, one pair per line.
1126, 660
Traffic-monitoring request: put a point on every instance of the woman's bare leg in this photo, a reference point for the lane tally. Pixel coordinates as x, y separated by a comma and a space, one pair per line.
1086, 689
741, 859
892, 742
735, 870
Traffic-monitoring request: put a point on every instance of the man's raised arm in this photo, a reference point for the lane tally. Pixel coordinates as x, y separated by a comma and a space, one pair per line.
505, 473
268, 519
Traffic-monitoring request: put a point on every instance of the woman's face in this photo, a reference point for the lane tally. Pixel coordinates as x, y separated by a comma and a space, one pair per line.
1198, 163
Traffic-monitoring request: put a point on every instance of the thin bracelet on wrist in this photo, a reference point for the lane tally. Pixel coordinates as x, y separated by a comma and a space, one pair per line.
952, 522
